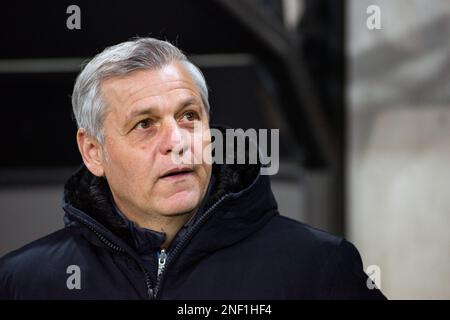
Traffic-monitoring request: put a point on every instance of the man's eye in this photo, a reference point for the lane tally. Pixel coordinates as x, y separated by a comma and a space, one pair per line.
191, 116
144, 124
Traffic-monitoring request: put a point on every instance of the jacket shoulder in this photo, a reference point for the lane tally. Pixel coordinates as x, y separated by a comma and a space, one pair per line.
296, 233
34, 261
37, 248
338, 263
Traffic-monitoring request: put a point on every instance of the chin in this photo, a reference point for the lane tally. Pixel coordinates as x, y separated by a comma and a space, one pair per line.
182, 202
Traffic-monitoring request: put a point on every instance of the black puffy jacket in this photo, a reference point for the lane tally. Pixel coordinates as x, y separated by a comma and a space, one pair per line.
237, 247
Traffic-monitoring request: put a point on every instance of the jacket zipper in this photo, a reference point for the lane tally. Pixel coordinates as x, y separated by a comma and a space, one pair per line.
175, 252
161, 262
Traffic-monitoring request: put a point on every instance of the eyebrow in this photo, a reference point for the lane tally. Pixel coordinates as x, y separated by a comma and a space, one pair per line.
149, 110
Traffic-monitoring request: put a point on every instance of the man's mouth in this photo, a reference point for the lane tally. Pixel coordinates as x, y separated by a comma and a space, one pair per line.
176, 173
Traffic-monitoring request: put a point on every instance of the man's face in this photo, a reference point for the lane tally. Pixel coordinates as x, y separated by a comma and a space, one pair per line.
150, 120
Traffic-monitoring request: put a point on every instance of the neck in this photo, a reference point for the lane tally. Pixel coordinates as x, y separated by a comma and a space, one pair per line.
169, 225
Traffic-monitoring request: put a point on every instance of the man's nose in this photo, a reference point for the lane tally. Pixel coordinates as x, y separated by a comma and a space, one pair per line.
172, 140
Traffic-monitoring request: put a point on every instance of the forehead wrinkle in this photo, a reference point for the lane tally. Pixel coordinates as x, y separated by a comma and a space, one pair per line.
177, 85
133, 95
180, 99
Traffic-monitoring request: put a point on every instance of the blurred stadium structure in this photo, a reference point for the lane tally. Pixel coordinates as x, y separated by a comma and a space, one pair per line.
364, 115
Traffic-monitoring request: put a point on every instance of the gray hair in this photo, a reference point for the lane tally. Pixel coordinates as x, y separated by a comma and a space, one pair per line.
89, 106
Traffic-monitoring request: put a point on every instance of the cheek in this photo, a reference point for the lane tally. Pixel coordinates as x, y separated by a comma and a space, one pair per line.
135, 163
204, 172
200, 144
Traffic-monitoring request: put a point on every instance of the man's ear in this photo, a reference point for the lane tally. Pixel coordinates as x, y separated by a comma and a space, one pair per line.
91, 152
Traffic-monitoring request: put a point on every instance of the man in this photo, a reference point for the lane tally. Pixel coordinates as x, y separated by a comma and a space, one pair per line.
141, 225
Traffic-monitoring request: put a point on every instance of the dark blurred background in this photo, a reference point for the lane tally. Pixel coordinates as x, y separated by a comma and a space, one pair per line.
285, 64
